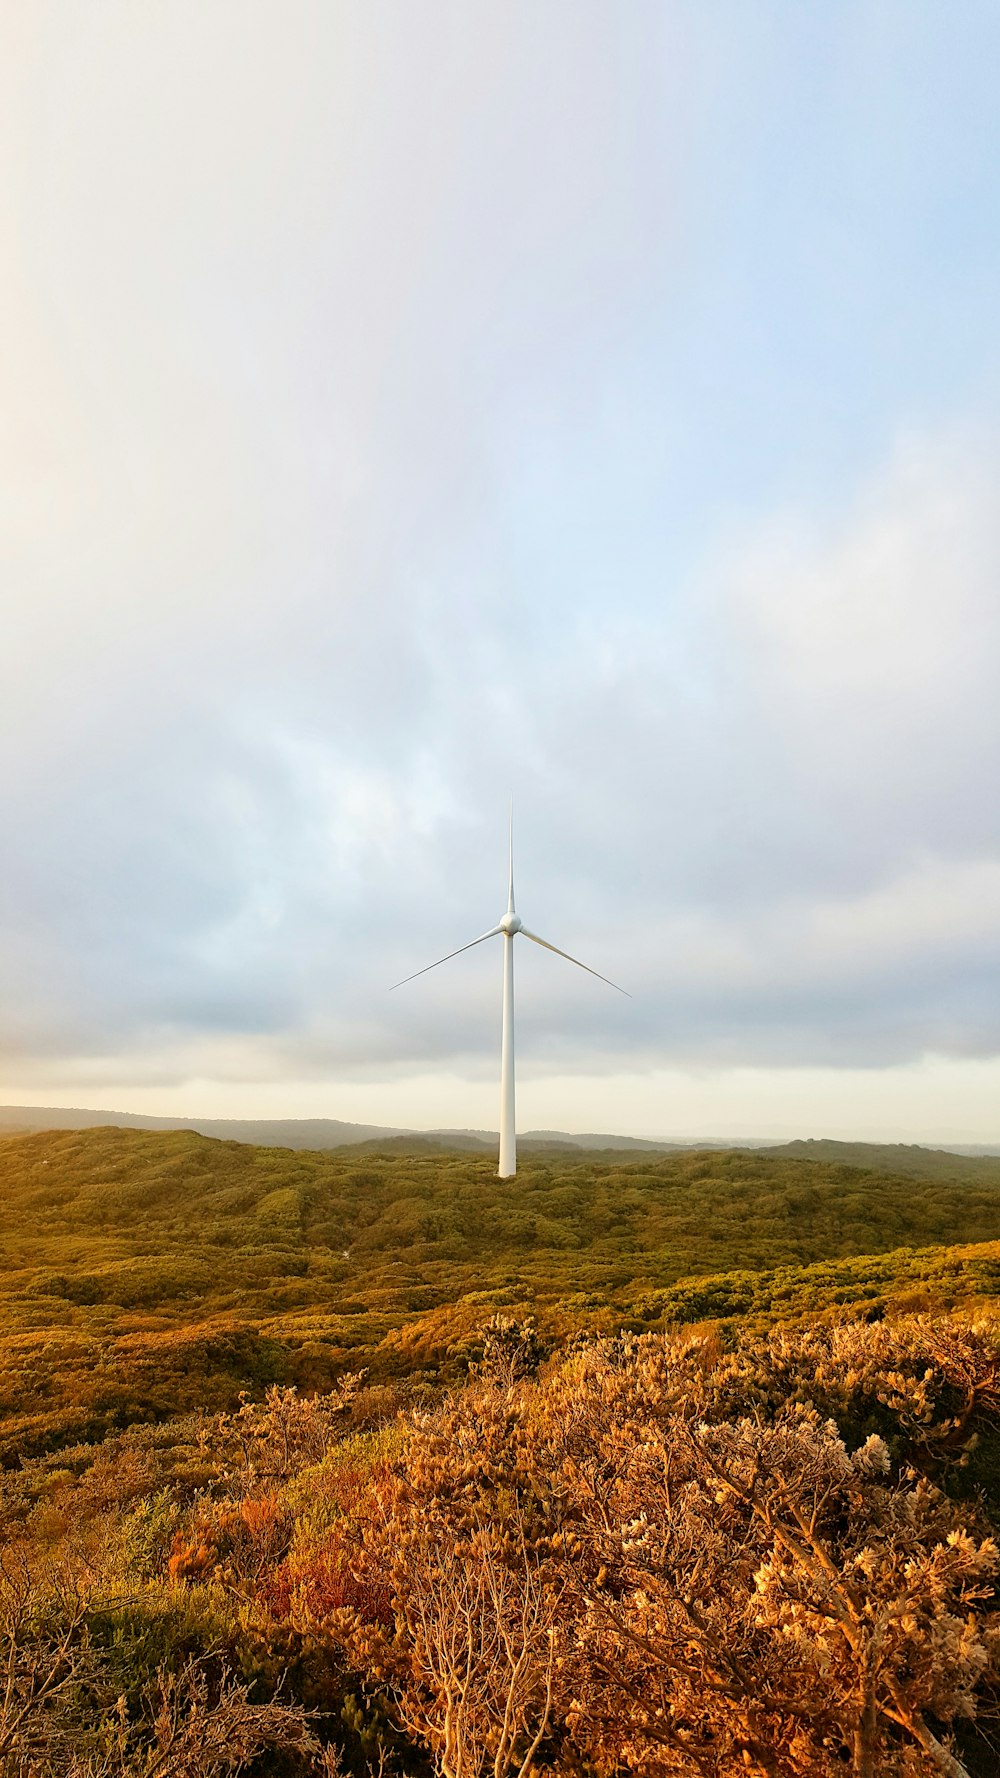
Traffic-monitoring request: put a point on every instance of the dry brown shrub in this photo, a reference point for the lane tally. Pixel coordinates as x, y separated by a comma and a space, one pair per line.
673, 1559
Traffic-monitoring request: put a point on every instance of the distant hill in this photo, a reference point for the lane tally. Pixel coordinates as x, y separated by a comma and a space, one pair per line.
895, 1157
616, 1142
316, 1133
298, 1132
322, 1133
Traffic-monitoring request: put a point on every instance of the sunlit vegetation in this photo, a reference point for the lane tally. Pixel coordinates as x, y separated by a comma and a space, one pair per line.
147, 1274
361, 1462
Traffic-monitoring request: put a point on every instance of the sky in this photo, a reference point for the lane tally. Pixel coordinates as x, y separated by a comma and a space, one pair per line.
406, 408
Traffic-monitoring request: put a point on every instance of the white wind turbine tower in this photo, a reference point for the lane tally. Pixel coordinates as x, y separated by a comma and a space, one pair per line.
507, 929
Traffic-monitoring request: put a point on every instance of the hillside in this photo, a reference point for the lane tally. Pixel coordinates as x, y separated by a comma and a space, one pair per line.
302, 1132
144, 1273
191, 1563
306, 1132
327, 1132
908, 1158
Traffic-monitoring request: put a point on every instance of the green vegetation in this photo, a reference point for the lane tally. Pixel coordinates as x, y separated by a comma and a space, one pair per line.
891, 1157
274, 1422
145, 1274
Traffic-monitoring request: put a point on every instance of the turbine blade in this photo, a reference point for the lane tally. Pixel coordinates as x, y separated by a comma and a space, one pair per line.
547, 947
494, 932
510, 860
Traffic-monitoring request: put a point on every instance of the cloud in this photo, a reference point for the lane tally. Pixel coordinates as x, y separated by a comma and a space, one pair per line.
725, 824
368, 456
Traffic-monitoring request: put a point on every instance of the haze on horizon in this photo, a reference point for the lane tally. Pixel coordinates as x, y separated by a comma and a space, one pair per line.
403, 406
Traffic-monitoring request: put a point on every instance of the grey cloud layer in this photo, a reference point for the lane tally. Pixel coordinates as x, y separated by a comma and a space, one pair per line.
328, 533
774, 873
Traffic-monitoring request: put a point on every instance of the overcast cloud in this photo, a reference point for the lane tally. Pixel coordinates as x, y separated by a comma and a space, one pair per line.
400, 407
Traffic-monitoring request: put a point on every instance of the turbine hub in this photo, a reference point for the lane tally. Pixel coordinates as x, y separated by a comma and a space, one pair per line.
510, 924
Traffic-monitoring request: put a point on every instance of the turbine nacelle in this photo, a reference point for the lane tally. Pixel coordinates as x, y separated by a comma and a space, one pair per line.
510, 924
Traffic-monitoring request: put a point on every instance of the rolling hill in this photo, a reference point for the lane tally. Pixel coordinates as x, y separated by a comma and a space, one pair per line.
146, 1272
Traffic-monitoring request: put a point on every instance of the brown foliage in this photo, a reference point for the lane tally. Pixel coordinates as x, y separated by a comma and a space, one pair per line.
616, 1555
60, 1716
285, 1431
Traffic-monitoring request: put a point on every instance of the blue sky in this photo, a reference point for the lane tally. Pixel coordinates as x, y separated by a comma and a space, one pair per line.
403, 407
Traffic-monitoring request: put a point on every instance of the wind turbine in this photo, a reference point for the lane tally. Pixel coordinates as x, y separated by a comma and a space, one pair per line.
507, 929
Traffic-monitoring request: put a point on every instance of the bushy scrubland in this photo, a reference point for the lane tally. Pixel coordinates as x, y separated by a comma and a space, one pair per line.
644, 1555
325, 1463
147, 1274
